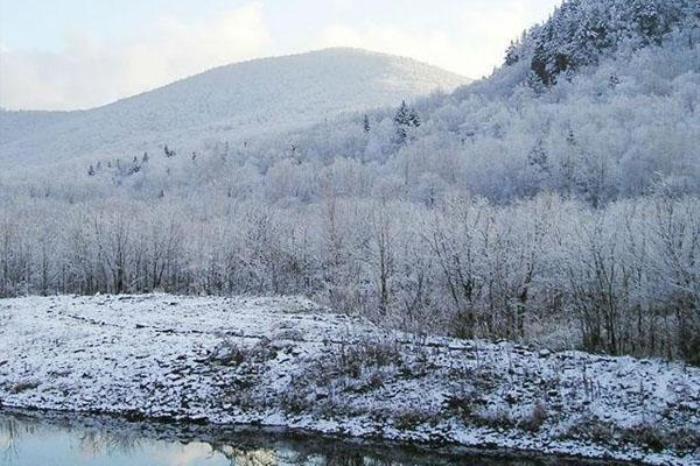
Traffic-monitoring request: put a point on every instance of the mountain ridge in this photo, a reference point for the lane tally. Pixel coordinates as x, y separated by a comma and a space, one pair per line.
261, 95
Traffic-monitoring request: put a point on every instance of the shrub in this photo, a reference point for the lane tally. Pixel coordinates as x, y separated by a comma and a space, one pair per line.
537, 418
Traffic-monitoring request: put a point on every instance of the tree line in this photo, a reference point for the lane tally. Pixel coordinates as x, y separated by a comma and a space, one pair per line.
548, 271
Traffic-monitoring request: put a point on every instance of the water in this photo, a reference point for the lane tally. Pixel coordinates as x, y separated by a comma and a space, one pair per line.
53, 440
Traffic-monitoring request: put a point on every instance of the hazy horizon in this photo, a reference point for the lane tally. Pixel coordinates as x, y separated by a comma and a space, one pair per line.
75, 54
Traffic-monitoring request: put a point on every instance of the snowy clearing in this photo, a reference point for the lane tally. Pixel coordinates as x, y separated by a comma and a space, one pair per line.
287, 362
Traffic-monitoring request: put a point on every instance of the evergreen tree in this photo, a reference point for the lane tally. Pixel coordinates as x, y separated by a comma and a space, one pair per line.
402, 115
512, 54
401, 121
404, 119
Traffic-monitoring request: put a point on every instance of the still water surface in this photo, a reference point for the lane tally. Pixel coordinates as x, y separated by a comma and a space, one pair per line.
76, 441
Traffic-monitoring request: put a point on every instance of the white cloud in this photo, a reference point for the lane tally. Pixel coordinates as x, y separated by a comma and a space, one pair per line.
472, 43
88, 73
431, 47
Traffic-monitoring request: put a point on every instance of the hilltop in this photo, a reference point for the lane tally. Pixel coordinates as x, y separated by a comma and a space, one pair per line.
256, 97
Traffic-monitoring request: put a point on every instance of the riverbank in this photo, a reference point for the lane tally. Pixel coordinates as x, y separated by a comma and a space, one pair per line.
285, 362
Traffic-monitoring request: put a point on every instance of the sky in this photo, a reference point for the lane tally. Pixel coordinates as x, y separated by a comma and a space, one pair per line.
73, 54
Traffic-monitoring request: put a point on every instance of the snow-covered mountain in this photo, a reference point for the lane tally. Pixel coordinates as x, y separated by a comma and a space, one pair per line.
234, 101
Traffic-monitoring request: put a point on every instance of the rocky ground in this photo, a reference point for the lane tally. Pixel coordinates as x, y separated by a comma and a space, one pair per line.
286, 362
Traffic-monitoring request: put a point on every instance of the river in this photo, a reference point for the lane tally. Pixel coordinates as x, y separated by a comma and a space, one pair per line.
70, 440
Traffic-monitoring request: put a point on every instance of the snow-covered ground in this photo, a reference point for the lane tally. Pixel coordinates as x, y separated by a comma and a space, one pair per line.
287, 362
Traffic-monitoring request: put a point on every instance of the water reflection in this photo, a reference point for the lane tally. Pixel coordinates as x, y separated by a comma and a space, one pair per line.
74, 441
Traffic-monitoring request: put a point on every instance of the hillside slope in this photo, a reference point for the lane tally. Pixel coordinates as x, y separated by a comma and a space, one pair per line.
237, 100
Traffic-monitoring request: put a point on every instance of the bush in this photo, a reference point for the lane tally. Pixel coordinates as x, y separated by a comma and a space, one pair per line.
353, 358
230, 353
537, 418
409, 420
